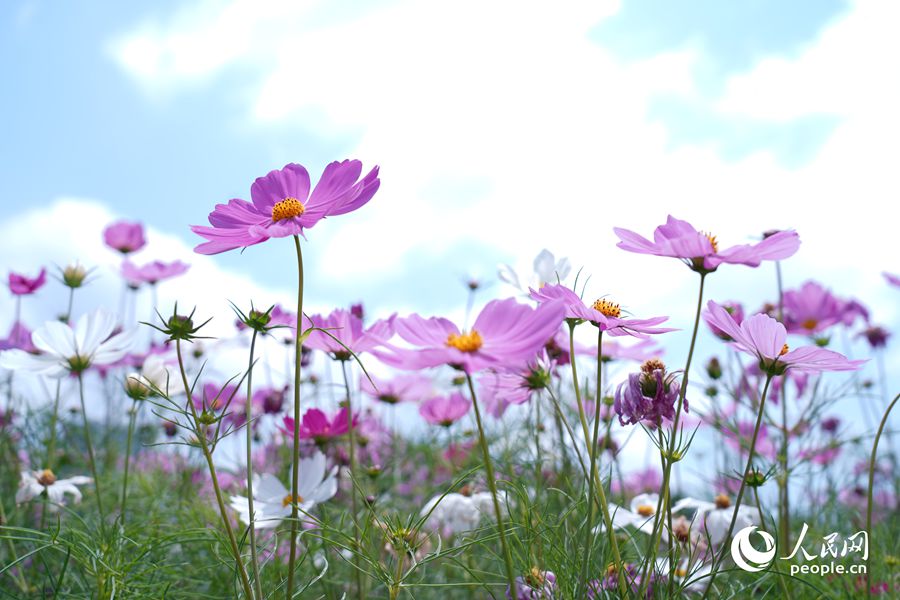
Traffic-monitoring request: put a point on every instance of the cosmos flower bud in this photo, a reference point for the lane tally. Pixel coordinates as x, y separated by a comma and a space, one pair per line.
135, 388
714, 368
74, 275
755, 478
179, 327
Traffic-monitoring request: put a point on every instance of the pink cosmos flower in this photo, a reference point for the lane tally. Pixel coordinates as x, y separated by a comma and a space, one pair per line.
124, 236
892, 279
604, 314
812, 309
737, 315
348, 328
283, 205
316, 425
152, 272
22, 285
19, 337
505, 334
401, 388
445, 410
764, 338
700, 251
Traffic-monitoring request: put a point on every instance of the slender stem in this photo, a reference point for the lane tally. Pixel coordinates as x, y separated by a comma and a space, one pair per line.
90, 449
667, 473
17, 572
492, 485
762, 520
204, 447
604, 508
132, 419
251, 527
295, 451
54, 418
784, 505
592, 453
69, 308
872, 483
351, 434
737, 503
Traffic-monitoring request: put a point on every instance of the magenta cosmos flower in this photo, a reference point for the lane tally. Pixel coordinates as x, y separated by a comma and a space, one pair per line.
349, 331
152, 272
316, 425
124, 236
764, 338
445, 410
411, 387
22, 285
700, 250
812, 309
283, 205
604, 314
505, 334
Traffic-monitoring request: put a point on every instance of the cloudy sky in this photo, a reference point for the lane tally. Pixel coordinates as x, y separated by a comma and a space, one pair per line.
500, 127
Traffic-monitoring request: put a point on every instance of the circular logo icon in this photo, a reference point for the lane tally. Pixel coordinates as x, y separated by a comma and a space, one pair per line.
746, 556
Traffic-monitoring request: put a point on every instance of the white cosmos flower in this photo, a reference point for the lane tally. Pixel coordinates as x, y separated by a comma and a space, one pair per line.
639, 514
546, 270
158, 375
455, 513
34, 483
272, 501
64, 349
715, 517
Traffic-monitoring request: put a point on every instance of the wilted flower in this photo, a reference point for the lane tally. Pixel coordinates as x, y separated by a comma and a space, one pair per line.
700, 251
283, 206
649, 395
124, 236
35, 483
64, 349
764, 338
445, 410
272, 501
22, 285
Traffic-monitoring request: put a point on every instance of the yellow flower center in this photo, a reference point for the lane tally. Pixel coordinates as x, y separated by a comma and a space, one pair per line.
722, 501
809, 324
681, 572
784, 350
288, 500
713, 241
645, 510
607, 308
466, 342
287, 209
46, 478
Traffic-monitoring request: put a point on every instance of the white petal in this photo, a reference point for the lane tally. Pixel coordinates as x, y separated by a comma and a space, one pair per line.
92, 329
114, 348
44, 364
54, 337
507, 274
269, 489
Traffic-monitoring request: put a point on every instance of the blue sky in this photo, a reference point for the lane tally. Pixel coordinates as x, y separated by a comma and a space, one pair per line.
500, 128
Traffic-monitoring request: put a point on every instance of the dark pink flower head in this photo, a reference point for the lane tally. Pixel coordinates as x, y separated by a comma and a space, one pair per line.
649, 395
876, 335
269, 400
316, 425
700, 251
505, 334
22, 285
152, 272
765, 339
812, 309
283, 205
603, 314
737, 315
892, 279
348, 328
124, 236
445, 410
411, 387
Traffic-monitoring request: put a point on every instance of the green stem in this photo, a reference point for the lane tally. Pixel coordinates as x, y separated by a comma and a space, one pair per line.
593, 474
592, 453
737, 503
872, 483
132, 419
357, 538
492, 485
90, 449
667, 473
762, 520
295, 450
251, 527
54, 418
200, 432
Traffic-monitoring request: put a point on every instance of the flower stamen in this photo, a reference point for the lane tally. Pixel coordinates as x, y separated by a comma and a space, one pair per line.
645, 510
713, 241
287, 209
784, 350
46, 478
607, 308
466, 342
288, 500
